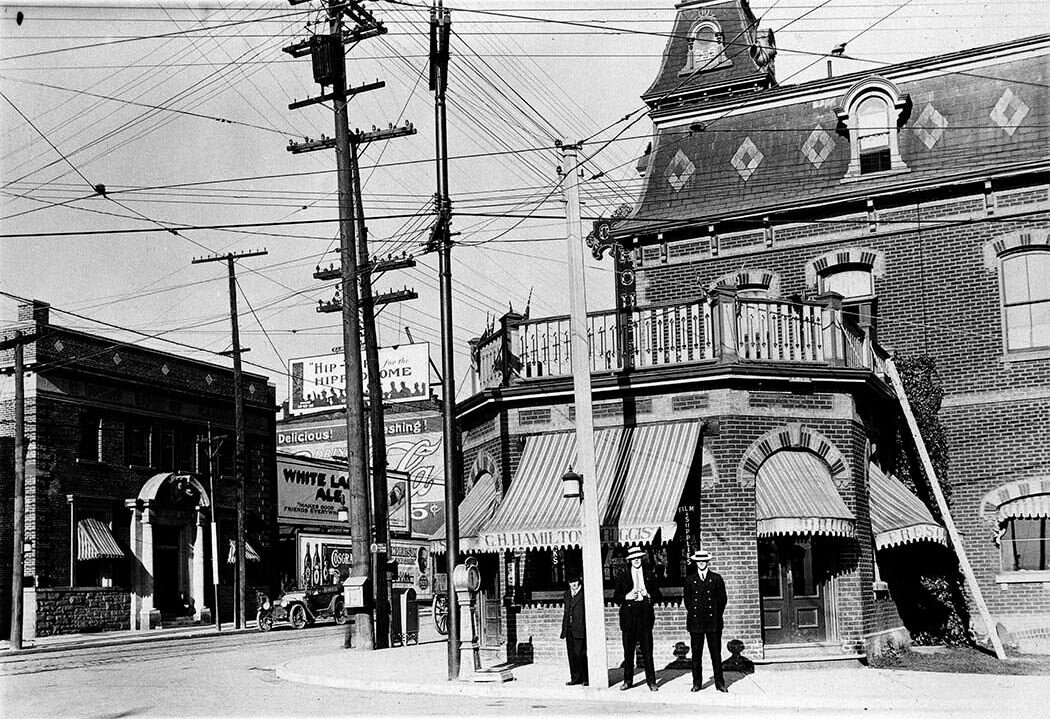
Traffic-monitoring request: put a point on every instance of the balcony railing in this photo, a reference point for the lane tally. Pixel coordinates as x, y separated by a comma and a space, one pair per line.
721, 328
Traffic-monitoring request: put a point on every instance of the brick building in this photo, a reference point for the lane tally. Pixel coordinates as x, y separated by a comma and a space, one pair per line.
784, 237
118, 503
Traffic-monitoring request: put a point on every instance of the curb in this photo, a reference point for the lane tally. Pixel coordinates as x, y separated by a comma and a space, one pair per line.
515, 690
73, 645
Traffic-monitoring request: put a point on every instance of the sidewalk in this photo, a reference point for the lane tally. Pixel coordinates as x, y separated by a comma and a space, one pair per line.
853, 688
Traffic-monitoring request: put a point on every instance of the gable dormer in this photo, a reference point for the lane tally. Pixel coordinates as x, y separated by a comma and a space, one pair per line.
714, 49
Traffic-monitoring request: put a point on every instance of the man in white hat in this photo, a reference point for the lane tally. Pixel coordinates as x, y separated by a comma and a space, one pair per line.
636, 592
705, 603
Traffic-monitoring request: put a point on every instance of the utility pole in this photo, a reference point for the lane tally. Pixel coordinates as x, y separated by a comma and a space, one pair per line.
213, 451
18, 556
590, 536
440, 239
355, 274
240, 614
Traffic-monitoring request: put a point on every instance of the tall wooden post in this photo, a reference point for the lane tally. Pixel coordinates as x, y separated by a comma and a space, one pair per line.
590, 536
946, 515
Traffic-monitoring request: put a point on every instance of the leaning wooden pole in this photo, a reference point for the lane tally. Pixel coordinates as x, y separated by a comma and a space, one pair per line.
946, 515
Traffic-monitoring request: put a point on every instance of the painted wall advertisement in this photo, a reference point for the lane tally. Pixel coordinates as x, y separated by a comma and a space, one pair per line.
414, 447
318, 383
311, 492
326, 559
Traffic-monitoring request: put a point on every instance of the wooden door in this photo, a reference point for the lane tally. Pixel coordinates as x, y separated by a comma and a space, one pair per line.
792, 573
490, 605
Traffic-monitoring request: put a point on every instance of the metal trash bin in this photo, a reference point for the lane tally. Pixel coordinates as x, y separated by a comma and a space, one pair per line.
404, 617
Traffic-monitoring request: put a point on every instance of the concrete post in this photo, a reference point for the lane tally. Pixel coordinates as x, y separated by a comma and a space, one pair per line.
149, 616
197, 591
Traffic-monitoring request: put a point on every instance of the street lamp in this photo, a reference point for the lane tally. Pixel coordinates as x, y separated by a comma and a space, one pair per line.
571, 484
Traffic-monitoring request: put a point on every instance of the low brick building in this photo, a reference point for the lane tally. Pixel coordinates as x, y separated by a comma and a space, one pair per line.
118, 502
783, 236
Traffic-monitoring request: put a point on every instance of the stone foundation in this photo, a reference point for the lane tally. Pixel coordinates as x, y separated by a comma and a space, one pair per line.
76, 610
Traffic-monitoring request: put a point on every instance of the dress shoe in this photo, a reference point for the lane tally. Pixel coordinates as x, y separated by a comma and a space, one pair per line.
586, 684
653, 687
572, 683
722, 688
696, 688
625, 686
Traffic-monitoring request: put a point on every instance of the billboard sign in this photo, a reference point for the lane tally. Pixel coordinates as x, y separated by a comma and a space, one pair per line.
317, 384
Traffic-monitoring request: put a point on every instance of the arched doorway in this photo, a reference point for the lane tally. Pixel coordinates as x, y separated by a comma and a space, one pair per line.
168, 528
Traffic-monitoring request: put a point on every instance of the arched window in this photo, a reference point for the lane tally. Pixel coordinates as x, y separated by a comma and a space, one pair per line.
1026, 300
705, 46
873, 134
871, 111
853, 283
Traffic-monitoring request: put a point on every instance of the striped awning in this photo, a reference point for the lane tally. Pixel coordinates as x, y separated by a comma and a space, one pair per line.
476, 508
641, 474
794, 494
249, 552
898, 516
1037, 505
95, 541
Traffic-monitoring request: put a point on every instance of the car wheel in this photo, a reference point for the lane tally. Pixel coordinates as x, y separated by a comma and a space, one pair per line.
297, 616
440, 610
265, 622
339, 612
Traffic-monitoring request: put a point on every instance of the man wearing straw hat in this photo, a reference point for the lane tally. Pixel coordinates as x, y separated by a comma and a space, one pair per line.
705, 603
635, 592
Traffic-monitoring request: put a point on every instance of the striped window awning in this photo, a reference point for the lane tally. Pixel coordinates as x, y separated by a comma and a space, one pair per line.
249, 552
898, 516
794, 495
642, 471
476, 508
95, 541
1030, 507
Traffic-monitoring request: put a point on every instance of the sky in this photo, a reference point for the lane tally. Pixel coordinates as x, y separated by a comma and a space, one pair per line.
180, 109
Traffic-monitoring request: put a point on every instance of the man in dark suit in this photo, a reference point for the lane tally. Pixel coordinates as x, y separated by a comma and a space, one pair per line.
574, 632
636, 592
705, 603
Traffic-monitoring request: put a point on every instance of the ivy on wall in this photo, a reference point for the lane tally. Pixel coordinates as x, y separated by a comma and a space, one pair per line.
935, 586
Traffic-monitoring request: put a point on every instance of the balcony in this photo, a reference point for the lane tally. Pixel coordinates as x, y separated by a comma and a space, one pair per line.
720, 329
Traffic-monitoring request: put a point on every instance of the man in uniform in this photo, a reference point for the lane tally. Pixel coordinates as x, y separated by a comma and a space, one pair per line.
574, 631
705, 603
636, 592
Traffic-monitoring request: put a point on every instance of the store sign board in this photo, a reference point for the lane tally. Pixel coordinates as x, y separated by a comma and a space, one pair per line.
413, 566
322, 559
318, 383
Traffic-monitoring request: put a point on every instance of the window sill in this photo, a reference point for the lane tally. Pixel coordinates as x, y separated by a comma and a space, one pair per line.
1040, 353
145, 467
1024, 576
92, 462
875, 175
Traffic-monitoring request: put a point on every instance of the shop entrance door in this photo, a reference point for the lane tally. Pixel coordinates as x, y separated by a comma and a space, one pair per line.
792, 573
490, 606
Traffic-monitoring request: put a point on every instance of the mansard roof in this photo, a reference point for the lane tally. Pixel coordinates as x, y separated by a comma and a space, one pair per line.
980, 111
743, 62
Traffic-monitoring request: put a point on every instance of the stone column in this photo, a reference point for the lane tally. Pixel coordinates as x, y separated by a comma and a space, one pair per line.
135, 541
197, 591
149, 616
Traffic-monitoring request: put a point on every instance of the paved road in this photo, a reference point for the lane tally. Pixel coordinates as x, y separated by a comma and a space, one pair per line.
227, 676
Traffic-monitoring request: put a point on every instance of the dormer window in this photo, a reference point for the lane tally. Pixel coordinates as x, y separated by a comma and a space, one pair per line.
871, 113
705, 47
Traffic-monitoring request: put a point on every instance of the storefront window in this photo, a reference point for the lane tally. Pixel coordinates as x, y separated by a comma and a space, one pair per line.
1026, 544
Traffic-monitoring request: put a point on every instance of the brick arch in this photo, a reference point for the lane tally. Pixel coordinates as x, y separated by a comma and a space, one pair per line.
846, 256
483, 464
992, 250
990, 502
791, 436
750, 279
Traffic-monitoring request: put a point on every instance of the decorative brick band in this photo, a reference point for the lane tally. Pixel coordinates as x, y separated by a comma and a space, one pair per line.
821, 401
534, 416
845, 257
1031, 238
686, 402
791, 436
993, 500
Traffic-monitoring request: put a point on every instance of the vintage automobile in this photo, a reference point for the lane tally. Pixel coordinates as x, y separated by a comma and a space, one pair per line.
303, 607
